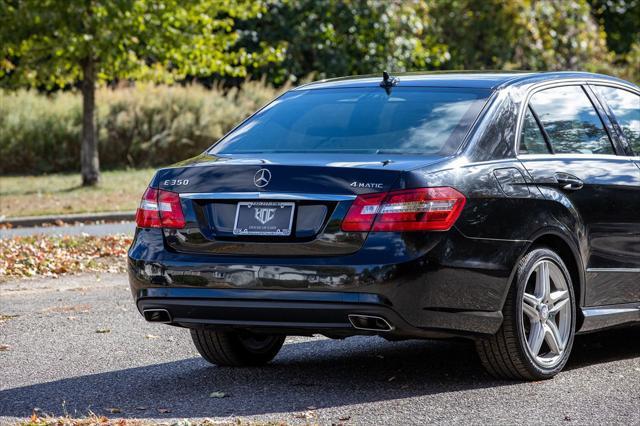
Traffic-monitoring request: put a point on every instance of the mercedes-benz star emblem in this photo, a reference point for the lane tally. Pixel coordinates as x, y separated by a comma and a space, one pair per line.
262, 178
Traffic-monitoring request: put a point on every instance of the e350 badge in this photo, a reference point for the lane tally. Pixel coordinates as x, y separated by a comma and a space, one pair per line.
175, 182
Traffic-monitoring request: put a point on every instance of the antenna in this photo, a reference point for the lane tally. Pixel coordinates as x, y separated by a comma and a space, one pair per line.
388, 82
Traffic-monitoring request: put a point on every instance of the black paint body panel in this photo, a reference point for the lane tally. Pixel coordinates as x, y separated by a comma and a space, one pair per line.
427, 284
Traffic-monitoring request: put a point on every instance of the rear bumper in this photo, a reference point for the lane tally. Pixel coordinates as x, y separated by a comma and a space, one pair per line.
303, 312
431, 285
284, 311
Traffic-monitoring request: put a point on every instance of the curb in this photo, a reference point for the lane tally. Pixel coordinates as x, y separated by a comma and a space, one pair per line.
30, 221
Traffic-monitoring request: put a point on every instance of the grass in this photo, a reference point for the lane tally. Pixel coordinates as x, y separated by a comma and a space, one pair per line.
62, 193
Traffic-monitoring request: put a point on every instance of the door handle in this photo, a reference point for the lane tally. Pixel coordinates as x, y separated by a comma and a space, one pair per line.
568, 182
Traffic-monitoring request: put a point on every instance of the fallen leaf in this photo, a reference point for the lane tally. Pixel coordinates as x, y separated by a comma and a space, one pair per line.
151, 336
103, 330
52, 255
69, 309
305, 415
141, 408
164, 410
4, 318
113, 410
218, 394
4, 348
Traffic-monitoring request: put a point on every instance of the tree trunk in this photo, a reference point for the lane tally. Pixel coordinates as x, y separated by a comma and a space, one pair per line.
89, 160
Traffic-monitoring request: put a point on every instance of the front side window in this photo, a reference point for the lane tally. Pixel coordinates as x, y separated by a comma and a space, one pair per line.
626, 107
532, 140
571, 121
408, 120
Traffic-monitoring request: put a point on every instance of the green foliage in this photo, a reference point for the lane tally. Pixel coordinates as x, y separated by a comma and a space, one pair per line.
621, 22
463, 26
45, 42
142, 126
519, 34
38, 133
632, 60
331, 38
55, 43
558, 36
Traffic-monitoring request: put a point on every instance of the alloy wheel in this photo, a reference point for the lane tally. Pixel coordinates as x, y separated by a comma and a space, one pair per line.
546, 312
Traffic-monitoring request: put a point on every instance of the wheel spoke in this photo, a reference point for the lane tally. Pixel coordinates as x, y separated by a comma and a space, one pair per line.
536, 337
552, 337
543, 282
558, 296
557, 306
529, 303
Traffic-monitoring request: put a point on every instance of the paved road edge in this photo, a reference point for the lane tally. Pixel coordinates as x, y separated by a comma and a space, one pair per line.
29, 221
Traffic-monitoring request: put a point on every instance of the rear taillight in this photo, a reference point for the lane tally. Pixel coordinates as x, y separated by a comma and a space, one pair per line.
362, 212
147, 215
160, 209
422, 209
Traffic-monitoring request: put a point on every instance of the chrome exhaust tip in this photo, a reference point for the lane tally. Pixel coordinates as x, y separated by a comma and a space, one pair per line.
369, 322
157, 315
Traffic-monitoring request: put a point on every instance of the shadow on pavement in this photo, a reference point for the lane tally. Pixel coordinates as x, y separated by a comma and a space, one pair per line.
321, 373
605, 346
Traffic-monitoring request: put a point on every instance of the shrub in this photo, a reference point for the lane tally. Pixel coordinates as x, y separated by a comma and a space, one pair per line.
137, 126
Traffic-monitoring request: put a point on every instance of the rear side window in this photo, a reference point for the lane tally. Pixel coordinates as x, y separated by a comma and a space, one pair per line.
408, 120
626, 107
532, 140
571, 121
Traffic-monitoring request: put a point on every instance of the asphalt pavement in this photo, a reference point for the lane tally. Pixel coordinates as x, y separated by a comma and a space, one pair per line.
76, 345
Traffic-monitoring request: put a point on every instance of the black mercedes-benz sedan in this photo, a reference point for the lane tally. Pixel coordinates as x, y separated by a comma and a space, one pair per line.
498, 207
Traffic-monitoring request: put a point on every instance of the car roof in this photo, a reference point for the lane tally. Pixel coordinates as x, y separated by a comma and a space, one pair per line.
473, 79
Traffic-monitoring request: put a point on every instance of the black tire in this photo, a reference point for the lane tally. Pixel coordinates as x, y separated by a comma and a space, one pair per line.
506, 354
236, 348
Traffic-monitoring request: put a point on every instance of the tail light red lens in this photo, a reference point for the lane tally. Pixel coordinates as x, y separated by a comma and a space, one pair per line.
160, 209
362, 212
422, 209
147, 215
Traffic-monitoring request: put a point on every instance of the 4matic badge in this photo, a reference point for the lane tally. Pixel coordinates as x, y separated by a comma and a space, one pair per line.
372, 185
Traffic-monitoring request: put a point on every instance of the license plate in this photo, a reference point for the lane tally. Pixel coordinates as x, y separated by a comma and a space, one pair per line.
264, 218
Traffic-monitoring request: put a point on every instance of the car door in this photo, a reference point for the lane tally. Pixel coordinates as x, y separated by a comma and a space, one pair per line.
570, 155
622, 105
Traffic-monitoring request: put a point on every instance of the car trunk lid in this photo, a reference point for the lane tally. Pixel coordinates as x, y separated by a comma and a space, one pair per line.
287, 205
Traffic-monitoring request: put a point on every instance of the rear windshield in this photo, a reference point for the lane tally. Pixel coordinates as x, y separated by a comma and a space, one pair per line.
409, 120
